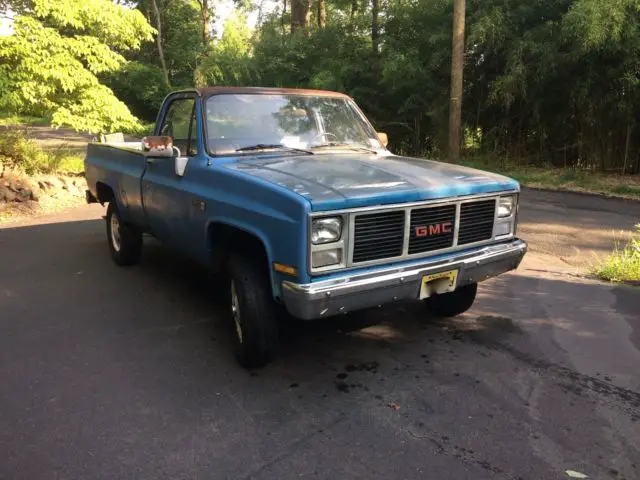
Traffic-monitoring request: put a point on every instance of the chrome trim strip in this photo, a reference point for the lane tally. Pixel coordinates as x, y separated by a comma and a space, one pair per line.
423, 203
495, 217
456, 227
407, 232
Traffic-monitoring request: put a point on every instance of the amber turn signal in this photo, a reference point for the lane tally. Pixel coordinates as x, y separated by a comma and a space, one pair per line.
282, 268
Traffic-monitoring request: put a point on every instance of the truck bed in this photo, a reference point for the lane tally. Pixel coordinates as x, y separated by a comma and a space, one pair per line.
120, 167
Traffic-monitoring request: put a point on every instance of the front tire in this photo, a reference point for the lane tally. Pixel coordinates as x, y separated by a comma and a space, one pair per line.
253, 312
125, 242
453, 303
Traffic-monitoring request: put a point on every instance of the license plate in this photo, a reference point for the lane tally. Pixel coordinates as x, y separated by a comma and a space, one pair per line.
437, 283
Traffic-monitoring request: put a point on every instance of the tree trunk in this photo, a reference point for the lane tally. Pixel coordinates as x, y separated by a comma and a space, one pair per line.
163, 63
626, 147
457, 72
300, 14
284, 12
354, 8
205, 22
259, 19
322, 14
375, 32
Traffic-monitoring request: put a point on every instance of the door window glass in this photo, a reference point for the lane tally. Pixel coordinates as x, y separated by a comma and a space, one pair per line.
180, 124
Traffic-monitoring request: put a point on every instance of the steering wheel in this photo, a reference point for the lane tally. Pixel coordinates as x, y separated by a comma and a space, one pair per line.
320, 135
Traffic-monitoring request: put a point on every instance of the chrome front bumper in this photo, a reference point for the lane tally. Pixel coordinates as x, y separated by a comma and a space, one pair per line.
357, 291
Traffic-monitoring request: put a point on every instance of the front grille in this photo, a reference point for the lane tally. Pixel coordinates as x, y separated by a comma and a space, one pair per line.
431, 228
381, 235
378, 235
476, 221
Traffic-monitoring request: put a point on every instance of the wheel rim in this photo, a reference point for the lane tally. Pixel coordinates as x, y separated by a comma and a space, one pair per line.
115, 232
235, 310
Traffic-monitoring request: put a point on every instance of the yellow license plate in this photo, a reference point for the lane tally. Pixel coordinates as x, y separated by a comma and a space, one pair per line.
437, 283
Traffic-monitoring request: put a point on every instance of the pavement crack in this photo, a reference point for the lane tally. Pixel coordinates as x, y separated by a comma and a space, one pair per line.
292, 448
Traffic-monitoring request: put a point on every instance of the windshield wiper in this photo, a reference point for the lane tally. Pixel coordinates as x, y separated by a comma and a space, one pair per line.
272, 146
345, 145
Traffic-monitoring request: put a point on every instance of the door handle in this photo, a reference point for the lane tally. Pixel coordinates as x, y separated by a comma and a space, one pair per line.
149, 160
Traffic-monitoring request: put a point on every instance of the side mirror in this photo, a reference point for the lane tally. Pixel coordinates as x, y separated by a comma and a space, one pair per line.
181, 162
158, 146
384, 139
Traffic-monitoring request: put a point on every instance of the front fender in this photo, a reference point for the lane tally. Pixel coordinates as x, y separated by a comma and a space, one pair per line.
275, 216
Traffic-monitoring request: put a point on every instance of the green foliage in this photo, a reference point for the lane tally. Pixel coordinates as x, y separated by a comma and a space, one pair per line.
623, 264
183, 46
228, 61
556, 79
141, 86
553, 82
16, 150
50, 65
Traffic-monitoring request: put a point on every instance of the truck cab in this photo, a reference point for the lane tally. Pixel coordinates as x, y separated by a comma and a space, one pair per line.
293, 199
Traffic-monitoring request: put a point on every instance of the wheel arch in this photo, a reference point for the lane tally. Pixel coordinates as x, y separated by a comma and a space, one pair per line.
104, 192
225, 236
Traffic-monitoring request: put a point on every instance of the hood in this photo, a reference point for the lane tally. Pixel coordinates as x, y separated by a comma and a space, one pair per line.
337, 181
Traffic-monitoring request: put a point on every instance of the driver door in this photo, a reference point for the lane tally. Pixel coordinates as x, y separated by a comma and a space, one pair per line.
165, 201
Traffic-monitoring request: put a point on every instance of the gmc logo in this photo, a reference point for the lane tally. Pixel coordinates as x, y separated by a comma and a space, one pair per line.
435, 229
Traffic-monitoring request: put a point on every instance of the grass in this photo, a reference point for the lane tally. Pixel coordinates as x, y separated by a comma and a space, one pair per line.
623, 265
570, 179
22, 120
18, 151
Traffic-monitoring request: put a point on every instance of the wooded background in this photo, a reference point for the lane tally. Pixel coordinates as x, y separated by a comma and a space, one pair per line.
546, 82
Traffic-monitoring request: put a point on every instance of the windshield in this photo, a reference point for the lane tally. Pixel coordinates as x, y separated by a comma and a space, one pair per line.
246, 121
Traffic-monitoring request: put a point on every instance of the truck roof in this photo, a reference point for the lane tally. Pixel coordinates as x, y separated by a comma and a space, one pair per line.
208, 91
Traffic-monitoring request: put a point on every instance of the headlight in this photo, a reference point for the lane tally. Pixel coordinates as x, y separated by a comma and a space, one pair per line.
326, 230
506, 206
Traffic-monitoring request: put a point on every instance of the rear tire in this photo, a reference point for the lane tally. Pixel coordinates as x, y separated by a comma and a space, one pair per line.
253, 312
125, 241
453, 303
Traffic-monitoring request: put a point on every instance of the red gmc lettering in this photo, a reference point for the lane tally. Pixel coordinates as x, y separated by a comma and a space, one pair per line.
436, 229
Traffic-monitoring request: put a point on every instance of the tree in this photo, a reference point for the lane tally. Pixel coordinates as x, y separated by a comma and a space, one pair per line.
300, 15
375, 31
228, 61
457, 72
205, 12
322, 14
52, 62
163, 63
181, 39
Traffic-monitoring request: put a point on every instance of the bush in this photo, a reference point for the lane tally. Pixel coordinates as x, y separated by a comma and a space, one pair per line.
20, 152
141, 87
623, 264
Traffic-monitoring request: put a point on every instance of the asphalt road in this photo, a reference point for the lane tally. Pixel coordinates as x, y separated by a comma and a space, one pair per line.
111, 373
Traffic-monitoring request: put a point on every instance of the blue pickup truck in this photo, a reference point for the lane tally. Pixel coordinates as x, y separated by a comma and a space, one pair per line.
292, 197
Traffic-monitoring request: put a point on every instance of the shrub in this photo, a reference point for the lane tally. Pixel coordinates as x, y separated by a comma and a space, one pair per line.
20, 152
623, 264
